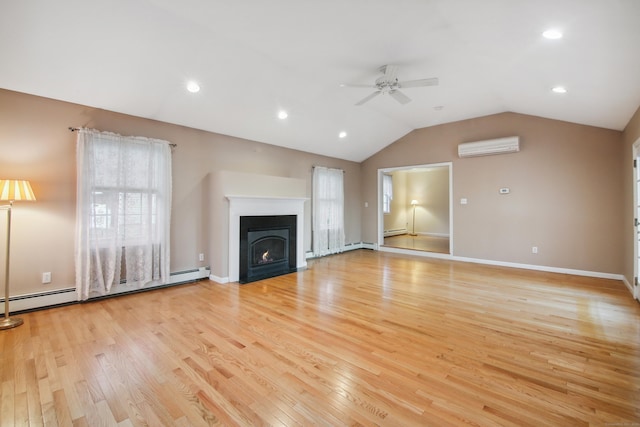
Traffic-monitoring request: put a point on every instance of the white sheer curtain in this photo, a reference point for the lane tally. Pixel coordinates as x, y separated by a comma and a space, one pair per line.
387, 193
123, 212
328, 211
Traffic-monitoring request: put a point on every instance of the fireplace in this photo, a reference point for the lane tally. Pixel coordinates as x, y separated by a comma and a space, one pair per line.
240, 206
267, 246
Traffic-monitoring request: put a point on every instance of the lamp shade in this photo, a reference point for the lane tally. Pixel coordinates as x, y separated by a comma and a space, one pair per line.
414, 202
16, 189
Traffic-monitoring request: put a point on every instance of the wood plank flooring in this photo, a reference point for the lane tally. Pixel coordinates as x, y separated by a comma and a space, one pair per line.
419, 243
360, 339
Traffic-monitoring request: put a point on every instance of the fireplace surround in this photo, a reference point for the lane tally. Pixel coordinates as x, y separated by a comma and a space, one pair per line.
240, 206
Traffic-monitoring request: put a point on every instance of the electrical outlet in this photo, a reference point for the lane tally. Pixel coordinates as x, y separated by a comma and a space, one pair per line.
201, 257
46, 277
534, 250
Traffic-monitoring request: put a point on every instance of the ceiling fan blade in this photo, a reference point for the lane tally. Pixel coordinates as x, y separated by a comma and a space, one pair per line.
390, 72
400, 97
358, 85
369, 98
418, 83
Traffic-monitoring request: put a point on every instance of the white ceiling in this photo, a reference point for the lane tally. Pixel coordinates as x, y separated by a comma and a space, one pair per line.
255, 57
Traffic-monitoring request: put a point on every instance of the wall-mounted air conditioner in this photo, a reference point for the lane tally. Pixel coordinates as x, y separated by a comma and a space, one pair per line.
510, 144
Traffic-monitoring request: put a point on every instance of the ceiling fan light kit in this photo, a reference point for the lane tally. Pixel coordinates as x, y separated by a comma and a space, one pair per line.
389, 84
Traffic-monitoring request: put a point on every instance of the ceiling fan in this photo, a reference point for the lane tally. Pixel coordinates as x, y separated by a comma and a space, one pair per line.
388, 84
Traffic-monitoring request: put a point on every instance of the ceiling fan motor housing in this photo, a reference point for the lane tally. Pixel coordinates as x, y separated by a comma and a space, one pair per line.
389, 84
385, 85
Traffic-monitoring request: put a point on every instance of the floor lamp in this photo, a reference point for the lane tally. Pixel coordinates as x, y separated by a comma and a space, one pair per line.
11, 190
413, 229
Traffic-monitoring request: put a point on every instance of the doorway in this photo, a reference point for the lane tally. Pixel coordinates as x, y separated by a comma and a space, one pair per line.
415, 208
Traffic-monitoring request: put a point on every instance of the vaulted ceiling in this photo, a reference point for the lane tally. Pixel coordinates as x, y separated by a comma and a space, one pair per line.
254, 58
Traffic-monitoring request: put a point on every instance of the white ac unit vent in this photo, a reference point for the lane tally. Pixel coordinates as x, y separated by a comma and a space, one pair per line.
509, 144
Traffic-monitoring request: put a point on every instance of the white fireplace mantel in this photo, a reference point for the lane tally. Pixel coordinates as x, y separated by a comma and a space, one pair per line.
259, 206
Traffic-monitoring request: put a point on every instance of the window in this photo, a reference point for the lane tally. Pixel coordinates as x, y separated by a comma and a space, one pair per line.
328, 210
123, 212
125, 215
387, 193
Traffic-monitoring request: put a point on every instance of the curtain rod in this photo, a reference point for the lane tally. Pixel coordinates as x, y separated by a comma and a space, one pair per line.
318, 166
73, 129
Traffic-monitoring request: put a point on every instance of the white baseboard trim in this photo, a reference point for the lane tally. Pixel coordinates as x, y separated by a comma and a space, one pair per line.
628, 285
505, 264
39, 300
221, 280
549, 269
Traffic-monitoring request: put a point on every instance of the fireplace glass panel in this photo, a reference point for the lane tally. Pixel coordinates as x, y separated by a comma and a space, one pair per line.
268, 250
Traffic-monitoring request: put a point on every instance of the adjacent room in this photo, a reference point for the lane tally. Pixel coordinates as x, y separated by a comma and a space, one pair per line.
421, 212
426, 190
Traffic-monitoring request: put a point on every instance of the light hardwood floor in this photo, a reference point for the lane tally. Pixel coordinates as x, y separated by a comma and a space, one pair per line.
419, 242
362, 338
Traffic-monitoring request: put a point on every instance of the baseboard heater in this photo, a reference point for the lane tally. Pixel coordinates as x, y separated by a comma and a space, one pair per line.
40, 300
395, 232
66, 296
347, 247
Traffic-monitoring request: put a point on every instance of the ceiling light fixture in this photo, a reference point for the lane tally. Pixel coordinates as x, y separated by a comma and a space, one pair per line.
552, 34
283, 115
193, 87
342, 134
559, 89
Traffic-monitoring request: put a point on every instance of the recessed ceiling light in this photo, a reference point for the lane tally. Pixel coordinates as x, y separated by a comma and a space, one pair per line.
342, 134
193, 87
283, 115
552, 34
559, 89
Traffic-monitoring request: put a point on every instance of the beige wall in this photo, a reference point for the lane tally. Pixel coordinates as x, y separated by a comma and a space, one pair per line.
565, 191
431, 189
571, 193
35, 144
631, 134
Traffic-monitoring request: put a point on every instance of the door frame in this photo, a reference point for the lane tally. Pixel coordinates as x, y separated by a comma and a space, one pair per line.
380, 233
636, 215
